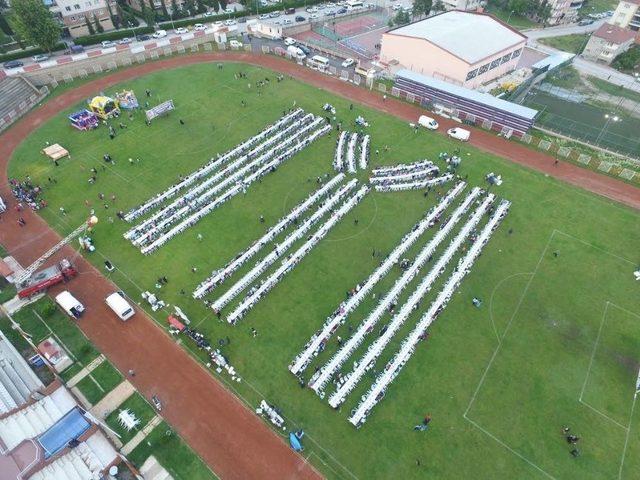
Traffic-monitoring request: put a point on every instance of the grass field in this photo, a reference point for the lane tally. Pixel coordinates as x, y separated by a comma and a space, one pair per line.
568, 43
137, 405
499, 381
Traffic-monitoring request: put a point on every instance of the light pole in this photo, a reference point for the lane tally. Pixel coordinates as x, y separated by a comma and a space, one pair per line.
509, 17
133, 30
611, 117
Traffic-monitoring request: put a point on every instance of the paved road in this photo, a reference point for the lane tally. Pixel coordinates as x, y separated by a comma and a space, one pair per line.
562, 30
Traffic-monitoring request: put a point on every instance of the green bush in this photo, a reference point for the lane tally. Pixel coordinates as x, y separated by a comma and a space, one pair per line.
114, 35
28, 52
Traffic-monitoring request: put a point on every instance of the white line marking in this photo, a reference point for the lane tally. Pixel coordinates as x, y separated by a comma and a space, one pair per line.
595, 348
626, 440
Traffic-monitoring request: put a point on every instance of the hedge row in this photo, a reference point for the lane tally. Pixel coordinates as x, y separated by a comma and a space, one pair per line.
225, 16
29, 52
114, 35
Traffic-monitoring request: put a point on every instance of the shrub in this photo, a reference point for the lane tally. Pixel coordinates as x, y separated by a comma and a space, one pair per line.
28, 52
114, 35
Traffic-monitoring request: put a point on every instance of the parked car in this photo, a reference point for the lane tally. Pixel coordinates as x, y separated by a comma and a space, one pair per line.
300, 18
264, 16
275, 14
125, 40
287, 21
40, 58
142, 38
341, 11
159, 34
235, 44
289, 11
74, 49
209, 14
107, 44
585, 22
397, 6
12, 64
289, 41
304, 49
313, 15
229, 10
230, 22
218, 22
312, 10
330, 13
198, 27
348, 62
181, 31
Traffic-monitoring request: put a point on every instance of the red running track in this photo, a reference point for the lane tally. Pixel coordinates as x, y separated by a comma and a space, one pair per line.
230, 438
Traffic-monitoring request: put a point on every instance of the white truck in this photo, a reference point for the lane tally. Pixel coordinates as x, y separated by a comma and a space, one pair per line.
428, 122
459, 134
120, 306
296, 52
70, 304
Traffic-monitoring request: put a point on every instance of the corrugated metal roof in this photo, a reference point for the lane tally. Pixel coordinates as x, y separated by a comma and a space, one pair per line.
469, 36
483, 98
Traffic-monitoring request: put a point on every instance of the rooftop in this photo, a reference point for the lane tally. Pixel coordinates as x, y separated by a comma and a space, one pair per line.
473, 95
468, 35
614, 34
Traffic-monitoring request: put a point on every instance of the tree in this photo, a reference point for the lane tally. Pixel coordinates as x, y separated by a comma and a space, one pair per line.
190, 7
422, 7
200, 6
4, 25
163, 4
175, 10
33, 22
438, 6
401, 18
89, 26
215, 5
148, 15
114, 19
96, 22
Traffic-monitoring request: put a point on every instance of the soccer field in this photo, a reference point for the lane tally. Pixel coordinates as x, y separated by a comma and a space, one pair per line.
555, 342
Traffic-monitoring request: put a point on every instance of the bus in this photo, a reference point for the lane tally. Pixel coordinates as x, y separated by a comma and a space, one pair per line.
318, 63
354, 5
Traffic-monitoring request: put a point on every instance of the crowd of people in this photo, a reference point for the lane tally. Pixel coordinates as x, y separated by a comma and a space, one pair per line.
411, 176
201, 210
389, 303
408, 346
280, 249
219, 276
216, 358
293, 259
27, 192
427, 183
213, 185
225, 184
352, 150
210, 166
318, 340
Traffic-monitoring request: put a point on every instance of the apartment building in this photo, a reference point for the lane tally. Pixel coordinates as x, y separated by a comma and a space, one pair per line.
607, 42
73, 15
627, 15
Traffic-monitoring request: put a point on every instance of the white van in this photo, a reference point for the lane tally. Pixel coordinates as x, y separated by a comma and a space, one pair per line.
289, 41
459, 134
70, 304
295, 52
120, 306
428, 122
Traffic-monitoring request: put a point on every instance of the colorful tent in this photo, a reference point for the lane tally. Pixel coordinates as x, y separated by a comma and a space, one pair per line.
127, 99
84, 120
104, 107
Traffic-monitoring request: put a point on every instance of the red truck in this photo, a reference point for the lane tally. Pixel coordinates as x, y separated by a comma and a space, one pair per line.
40, 281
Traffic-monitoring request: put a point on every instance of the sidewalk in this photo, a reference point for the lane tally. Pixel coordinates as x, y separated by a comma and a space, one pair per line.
73, 381
141, 435
112, 400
